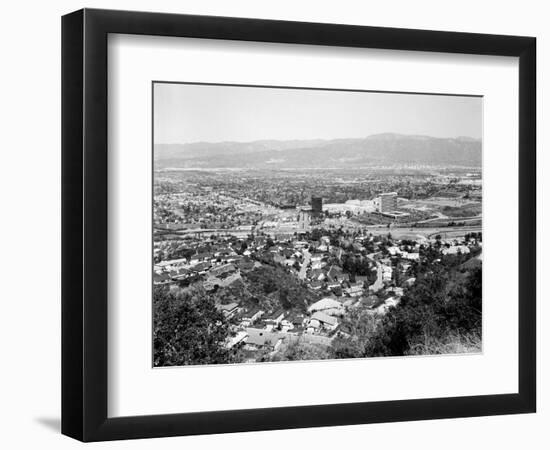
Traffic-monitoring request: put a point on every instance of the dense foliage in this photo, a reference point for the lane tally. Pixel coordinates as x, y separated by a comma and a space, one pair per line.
188, 329
443, 306
275, 288
441, 303
300, 351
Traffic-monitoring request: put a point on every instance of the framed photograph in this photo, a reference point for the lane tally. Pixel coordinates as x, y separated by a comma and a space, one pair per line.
273, 224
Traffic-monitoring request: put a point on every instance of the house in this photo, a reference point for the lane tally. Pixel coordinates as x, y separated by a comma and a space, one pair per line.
316, 285
390, 302
362, 279
394, 251
223, 253
317, 263
225, 280
239, 338
456, 249
222, 270
313, 326
273, 319
200, 257
262, 339
170, 264
327, 305
345, 278
397, 291
287, 252
386, 272
355, 290
228, 310
335, 273
181, 274
161, 278
289, 262
411, 256
201, 267
336, 291
297, 320
326, 321
317, 275
286, 325
251, 316
301, 244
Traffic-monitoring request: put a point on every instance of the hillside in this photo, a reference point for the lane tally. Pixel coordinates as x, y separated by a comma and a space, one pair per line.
380, 149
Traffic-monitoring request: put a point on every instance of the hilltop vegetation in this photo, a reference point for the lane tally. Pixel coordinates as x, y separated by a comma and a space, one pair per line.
440, 313
269, 287
188, 329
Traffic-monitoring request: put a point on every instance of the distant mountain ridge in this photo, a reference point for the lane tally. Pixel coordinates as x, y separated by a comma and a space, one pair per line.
378, 149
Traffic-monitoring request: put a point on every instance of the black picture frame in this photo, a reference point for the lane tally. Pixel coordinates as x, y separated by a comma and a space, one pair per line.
84, 224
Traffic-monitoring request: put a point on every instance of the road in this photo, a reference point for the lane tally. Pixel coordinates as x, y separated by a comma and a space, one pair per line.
378, 284
422, 232
305, 265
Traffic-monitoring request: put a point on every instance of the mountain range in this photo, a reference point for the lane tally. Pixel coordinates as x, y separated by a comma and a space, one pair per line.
375, 150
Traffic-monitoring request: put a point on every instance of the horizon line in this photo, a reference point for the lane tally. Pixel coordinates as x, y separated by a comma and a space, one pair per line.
316, 139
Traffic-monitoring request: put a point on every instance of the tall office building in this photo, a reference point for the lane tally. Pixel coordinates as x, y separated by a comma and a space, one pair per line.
387, 202
317, 205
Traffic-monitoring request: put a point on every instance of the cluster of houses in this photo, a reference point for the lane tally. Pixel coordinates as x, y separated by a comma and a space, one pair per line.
257, 331
214, 269
319, 265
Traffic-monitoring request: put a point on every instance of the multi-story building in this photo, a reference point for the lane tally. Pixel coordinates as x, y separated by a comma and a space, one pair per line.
317, 205
387, 202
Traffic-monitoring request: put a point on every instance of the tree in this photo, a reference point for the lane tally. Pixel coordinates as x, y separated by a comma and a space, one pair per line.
358, 328
300, 351
443, 302
276, 288
188, 329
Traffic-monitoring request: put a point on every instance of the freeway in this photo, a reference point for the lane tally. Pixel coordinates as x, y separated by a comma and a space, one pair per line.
423, 232
454, 230
202, 231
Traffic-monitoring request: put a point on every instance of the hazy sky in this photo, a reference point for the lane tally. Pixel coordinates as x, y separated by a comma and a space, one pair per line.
192, 113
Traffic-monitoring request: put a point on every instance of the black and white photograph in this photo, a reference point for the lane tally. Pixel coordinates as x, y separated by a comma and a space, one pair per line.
250, 224
294, 224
